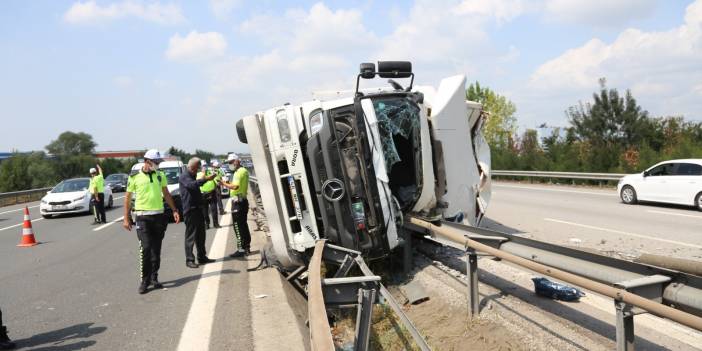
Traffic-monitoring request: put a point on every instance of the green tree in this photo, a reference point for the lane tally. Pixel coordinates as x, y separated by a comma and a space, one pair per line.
174, 151
203, 155
501, 123
70, 143
26, 171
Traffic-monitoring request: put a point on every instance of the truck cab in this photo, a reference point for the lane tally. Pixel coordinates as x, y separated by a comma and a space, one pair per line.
349, 169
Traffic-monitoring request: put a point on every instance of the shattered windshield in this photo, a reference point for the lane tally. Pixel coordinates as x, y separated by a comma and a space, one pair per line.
396, 116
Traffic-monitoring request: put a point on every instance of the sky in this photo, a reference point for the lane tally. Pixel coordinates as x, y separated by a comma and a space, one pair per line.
151, 74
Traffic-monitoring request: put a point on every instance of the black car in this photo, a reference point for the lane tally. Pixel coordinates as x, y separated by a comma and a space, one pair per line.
117, 181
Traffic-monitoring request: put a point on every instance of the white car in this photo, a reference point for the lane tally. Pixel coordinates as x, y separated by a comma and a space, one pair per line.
70, 196
674, 182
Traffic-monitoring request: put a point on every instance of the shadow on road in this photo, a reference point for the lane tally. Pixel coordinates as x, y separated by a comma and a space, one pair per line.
488, 223
182, 281
70, 338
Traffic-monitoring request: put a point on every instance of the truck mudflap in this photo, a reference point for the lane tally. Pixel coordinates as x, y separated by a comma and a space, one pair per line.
457, 124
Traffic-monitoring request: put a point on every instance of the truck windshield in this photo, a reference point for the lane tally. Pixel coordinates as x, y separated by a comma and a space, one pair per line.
397, 117
399, 129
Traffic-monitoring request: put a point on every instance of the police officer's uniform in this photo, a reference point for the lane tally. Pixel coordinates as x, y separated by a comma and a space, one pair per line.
240, 209
208, 197
97, 184
151, 222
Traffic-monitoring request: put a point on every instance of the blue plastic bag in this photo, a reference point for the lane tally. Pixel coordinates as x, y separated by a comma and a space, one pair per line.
557, 291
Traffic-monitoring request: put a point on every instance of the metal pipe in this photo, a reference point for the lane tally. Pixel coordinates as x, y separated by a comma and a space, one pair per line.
678, 264
320, 331
615, 293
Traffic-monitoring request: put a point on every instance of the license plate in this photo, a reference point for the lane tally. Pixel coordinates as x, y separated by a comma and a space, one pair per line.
59, 207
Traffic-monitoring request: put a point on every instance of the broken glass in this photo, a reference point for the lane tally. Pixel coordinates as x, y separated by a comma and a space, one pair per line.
395, 117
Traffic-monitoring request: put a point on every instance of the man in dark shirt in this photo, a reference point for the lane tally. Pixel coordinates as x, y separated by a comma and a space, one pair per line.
191, 198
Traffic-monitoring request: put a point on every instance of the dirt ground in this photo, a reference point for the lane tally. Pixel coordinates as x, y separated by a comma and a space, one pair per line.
512, 317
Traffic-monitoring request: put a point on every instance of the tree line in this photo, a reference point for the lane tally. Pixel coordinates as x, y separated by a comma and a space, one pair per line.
612, 133
70, 155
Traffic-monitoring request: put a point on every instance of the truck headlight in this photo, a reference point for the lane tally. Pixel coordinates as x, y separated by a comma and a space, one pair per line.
316, 122
283, 126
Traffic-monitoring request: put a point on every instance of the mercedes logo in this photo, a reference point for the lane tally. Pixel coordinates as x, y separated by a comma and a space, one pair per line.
333, 190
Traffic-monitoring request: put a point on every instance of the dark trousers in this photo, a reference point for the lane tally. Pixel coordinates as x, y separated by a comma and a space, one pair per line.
99, 208
194, 235
209, 208
240, 210
220, 206
150, 231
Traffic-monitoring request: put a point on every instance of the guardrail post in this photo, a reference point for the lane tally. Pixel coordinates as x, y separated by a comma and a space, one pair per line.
625, 326
472, 280
407, 252
366, 298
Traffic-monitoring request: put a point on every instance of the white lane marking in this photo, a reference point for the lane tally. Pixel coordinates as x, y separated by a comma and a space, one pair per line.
22, 209
674, 214
198, 326
555, 190
19, 209
108, 224
17, 225
624, 233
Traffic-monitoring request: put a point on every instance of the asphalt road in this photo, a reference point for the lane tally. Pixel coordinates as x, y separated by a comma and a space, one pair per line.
78, 288
595, 218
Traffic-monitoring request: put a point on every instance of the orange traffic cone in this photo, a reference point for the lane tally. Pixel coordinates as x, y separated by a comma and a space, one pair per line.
27, 231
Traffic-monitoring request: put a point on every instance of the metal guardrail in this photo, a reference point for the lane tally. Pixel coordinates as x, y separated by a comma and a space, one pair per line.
561, 175
18, 197
343, 291
635, 288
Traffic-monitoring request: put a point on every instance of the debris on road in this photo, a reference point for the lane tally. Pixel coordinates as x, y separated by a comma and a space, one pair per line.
414, 292
261, 296
557, 291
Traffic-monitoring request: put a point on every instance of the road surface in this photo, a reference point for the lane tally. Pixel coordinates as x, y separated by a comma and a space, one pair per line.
78, 288
595, 218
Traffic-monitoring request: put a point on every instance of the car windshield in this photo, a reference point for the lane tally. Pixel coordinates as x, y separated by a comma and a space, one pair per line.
71, 185
114, 177
172, 174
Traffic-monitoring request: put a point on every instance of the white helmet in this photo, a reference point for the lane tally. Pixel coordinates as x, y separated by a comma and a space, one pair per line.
93, 170
232, 157
215, 163
153, 155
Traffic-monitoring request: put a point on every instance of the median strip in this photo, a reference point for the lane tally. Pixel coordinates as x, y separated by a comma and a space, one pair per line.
624, 233
554, 190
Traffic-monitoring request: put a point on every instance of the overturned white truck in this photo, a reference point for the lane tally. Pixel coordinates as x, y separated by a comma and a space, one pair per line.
349, 169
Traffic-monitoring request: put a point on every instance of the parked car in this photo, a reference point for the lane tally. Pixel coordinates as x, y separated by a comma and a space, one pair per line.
117, 181
673, 182
71, 196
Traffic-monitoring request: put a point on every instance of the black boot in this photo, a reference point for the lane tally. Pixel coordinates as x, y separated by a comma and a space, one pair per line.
155, 282
5, 342
143, 287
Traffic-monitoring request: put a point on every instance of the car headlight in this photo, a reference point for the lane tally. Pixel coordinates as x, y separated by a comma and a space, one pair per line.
316, 122
44, 201
80, 198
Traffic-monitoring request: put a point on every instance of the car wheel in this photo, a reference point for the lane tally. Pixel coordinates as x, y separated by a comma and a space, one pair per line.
698, 201
46, 216
110, 202
628, 195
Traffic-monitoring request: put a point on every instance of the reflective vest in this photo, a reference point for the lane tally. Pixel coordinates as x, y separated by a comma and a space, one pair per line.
209, 185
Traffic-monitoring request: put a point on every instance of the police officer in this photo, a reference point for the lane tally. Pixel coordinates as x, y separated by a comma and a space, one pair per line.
208, 196
240, 205
149, 186
97, 191
5, 342
218, 191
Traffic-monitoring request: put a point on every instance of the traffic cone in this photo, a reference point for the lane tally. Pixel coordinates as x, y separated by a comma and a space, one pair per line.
27, 231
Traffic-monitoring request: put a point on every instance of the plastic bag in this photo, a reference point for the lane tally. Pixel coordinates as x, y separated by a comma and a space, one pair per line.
557, 291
